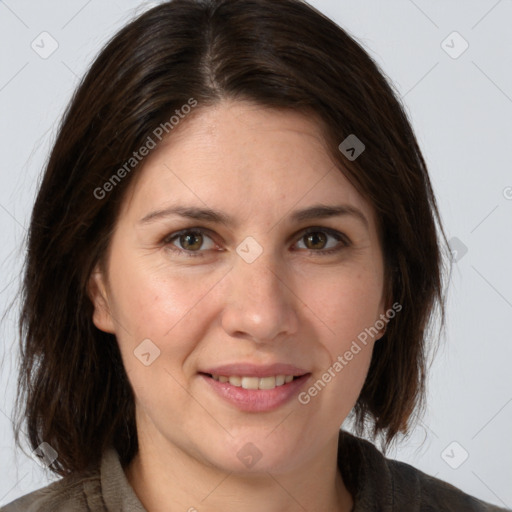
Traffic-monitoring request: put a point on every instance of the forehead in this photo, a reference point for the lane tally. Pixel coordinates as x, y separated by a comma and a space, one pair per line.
242, 157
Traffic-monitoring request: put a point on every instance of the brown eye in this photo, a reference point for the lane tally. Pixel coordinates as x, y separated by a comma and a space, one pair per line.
191, 241
315, 240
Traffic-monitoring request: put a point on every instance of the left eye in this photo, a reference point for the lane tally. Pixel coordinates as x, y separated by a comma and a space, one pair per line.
312, 237
191, 241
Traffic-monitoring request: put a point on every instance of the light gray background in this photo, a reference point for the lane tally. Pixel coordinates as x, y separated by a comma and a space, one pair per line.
461, 109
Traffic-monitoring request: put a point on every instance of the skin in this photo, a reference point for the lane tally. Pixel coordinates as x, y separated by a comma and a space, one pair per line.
290, 305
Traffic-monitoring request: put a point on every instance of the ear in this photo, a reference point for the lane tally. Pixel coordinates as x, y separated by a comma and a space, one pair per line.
97, 292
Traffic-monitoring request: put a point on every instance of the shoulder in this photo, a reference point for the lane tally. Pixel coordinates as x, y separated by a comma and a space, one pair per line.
395, 486
74, 493
99, 489
431, 494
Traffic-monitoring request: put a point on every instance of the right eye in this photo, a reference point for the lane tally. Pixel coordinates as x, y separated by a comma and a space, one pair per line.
191, 240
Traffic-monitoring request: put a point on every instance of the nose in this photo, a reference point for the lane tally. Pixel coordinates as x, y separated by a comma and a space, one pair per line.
261, 304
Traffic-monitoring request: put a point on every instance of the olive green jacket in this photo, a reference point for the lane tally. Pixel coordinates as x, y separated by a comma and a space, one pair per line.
377, 484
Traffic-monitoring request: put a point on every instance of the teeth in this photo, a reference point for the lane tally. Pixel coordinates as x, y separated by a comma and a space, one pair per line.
255, 382
280, 380
235, 381
265, 383
252, 382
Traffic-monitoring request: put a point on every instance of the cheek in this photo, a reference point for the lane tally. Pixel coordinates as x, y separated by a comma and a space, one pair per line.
347, 306
157, 303
347, 303
159, 317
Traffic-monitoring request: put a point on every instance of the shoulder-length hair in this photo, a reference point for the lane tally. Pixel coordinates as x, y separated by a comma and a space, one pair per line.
73, 391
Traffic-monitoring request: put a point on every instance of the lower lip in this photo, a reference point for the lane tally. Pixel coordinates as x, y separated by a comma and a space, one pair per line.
257, 400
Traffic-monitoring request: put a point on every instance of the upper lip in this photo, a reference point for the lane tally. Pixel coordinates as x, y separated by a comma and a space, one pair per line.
252, 370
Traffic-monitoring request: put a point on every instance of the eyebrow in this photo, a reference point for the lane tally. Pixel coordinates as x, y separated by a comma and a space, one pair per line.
317, 211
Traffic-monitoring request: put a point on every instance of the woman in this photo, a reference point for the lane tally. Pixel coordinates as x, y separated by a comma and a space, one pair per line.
232, 250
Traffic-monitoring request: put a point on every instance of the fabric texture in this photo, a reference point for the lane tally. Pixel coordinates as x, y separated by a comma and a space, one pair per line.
376, 483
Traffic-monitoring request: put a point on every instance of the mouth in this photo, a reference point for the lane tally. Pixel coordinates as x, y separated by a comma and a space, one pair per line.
254, 382
251, 393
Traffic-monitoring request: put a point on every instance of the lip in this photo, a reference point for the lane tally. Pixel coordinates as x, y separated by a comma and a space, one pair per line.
256, 400
252, 370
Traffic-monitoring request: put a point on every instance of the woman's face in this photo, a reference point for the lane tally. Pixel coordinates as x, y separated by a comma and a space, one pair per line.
254, 289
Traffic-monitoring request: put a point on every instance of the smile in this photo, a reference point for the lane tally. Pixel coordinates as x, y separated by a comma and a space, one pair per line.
255, 394
256, 382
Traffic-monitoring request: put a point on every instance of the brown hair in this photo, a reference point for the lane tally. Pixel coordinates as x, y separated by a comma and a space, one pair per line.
280, 54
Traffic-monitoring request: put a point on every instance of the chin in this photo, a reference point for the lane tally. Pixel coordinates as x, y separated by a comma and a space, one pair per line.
252, 455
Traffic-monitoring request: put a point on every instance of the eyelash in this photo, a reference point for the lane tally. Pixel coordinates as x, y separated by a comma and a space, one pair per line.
340, 237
